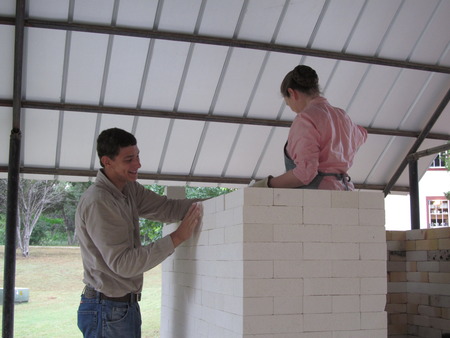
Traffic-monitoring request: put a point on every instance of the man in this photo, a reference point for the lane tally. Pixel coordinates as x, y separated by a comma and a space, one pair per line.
107, 225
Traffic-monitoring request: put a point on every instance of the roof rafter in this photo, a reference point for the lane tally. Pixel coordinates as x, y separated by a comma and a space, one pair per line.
173, 36
196, 117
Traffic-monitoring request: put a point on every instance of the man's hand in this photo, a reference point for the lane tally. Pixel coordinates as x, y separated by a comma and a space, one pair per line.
188, 225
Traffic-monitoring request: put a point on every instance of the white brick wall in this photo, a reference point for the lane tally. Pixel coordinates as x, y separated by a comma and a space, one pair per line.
280, 263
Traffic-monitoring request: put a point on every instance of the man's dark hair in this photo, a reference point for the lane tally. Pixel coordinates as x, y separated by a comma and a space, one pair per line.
111, 140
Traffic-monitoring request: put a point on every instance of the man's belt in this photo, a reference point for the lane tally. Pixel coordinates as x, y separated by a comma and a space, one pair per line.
90, 293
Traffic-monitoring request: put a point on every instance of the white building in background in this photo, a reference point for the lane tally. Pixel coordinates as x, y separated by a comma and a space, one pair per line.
434, 206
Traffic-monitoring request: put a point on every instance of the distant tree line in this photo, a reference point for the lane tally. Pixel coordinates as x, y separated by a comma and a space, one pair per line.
47, 212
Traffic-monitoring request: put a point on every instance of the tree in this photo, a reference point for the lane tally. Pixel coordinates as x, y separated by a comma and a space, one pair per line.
446, 157
34, 198
67, 206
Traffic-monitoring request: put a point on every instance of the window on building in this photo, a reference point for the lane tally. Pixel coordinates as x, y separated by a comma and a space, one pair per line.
439, 161
437, 212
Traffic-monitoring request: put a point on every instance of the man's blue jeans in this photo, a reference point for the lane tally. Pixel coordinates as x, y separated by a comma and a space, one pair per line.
104, 318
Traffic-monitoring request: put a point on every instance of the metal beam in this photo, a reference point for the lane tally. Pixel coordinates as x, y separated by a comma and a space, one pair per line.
228, 42
430, 151
414, 195
423, 134
197, 117
9, 272
177, 178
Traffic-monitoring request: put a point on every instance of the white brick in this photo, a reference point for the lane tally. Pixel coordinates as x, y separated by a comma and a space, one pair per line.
319, 215
331, 322
347, 233
346, 268
317, 268
317, 304
234, 234
287, 215
317, 286
363, 334
287, 233
210, 206
373, 303
345, 250
373, 286
271, 324
258, 196
371, 200
228, 217
373, 234
288, 305
344, 199
347, 303
258, 306
233, 304
373, 320
332, 251
248, 196
377, 251
321, 198
372, 217
273, 287
276, 251
288, 197
345, 286
288, 269
315, 233
258, 233
216, 236
373, 269
258, 269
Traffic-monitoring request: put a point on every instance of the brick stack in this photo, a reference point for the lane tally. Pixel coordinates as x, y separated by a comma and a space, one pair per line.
419, 283
280, 263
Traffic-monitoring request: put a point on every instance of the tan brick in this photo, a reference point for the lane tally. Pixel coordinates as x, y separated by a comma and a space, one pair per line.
397, 329
399, 319
440, 323
397, 277
440, 277
398, 298
429, 311
411, 266
396, 235
444, 244
428, 244
397, 256
416, 234
444, 266
419, 320
445, 313
418, 298
417, 277
412, 308
410, 245
438, 233
396, 245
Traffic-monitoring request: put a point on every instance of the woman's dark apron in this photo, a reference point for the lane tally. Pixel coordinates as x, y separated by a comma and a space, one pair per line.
314, 184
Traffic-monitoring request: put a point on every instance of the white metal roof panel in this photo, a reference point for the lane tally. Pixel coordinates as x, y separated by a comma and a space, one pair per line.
194, 80
86, 67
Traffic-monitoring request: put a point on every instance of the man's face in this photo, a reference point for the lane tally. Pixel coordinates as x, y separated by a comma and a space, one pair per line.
124, 167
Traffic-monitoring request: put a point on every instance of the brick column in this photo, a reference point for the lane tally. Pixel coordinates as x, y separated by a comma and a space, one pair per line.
280, 263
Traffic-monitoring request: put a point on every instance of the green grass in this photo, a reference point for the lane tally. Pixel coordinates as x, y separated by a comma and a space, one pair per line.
53, 276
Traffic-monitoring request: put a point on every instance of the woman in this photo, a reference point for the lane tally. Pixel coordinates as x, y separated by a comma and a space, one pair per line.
322, 140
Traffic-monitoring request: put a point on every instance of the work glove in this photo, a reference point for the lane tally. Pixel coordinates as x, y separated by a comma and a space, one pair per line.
264, 183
